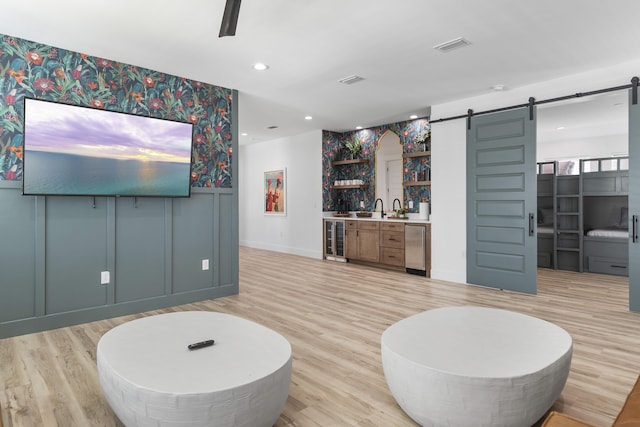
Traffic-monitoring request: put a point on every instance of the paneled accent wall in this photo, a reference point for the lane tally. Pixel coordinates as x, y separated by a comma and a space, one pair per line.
53, 249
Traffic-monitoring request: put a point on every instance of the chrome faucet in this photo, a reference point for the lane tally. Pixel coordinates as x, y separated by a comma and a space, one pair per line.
375, 205
394, 204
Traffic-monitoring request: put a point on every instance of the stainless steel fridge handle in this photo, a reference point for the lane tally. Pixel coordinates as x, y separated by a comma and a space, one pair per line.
634, 228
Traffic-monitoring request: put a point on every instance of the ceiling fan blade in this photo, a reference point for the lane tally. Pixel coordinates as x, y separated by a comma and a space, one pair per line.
230, 18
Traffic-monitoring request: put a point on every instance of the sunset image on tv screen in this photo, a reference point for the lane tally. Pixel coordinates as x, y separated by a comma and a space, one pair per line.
73, 150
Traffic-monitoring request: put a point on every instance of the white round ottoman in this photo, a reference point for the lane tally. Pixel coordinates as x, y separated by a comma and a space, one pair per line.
474, 366
150, 377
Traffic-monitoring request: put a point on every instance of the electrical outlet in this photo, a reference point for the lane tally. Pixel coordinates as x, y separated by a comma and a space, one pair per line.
205, 264
105, 277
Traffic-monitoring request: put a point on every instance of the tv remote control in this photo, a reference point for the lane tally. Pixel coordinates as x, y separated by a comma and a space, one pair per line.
200, 344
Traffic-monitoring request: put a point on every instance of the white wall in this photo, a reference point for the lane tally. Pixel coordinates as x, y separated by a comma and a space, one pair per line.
300, 231
448, 173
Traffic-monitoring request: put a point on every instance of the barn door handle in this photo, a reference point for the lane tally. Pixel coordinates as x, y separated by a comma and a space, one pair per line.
634, 229
531, 223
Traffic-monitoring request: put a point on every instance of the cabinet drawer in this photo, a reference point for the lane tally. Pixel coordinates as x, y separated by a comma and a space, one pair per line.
392, 226
615, 266
392, 239
351, 224
367, 225
392, 256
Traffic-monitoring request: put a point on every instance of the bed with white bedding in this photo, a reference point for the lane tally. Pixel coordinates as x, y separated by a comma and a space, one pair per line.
545, 230
606, 250
609, 233
605, 189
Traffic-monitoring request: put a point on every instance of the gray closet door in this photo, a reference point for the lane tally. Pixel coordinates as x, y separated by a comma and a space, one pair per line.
634, 205
501, 201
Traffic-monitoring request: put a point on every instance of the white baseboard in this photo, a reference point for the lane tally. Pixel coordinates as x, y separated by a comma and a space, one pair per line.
317, 254
449, 276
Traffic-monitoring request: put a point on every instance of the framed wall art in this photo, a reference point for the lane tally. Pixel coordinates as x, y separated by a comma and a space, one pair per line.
274, 198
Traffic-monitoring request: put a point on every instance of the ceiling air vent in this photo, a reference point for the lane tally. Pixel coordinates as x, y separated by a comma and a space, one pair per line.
452, 44
272, 127
351, 80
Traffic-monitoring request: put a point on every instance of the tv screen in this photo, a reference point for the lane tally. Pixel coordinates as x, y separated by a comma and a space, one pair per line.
82, 151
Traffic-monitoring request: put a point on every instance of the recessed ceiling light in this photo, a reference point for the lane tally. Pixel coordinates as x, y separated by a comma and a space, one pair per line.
244, 134
272, 127
413, 116
560, 128
308, 117
358, 127
259, 66
498, 88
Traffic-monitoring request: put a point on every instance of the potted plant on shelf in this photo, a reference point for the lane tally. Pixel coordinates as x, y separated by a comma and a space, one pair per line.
353, 146
422, 138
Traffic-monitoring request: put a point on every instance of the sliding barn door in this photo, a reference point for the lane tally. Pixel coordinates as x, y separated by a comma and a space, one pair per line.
634, 204
501, 200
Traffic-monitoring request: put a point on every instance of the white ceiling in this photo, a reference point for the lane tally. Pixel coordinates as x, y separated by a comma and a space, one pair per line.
311, 44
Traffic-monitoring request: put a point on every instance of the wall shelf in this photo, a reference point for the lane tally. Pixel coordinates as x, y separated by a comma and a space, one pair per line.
416, 154
341, 187
349, 162
416, 183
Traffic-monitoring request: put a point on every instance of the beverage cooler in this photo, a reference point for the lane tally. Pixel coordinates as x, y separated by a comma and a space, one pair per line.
334, 240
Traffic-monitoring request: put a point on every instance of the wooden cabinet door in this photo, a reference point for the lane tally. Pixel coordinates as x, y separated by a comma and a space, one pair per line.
392, 256
392, 239
368, 245
351, 243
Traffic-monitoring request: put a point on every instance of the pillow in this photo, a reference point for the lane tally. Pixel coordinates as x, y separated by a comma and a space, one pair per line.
624, 217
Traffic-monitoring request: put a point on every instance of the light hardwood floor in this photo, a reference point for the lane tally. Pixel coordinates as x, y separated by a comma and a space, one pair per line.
333, 315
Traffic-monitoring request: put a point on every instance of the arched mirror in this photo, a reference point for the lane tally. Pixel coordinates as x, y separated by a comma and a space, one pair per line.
389, 170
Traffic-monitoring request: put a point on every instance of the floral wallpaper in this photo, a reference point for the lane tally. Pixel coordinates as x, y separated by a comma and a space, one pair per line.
45, 72
333, 149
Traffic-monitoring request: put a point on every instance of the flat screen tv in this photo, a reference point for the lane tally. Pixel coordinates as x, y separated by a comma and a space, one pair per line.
71, 150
